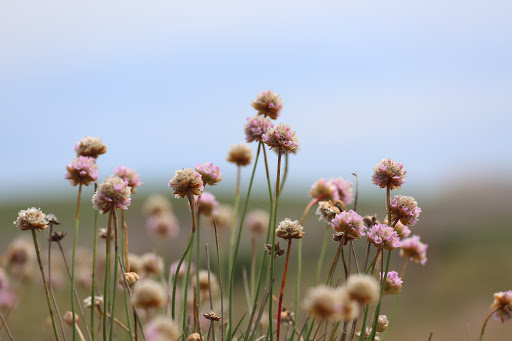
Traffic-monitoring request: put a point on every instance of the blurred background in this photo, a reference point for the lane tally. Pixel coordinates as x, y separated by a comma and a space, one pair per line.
167, 85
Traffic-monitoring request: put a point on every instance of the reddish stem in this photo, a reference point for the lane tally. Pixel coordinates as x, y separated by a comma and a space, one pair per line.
280, 308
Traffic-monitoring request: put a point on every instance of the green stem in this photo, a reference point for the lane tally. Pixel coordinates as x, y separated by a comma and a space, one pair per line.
377, 310
198, 264
239, 234
73, 260
235, 214
95, 249
322, 254
123, 262
107, 275
185, 300
363, 327
114, 294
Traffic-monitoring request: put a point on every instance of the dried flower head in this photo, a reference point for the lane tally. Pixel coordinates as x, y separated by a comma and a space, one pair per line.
224, 217
371, 220
344, 189
183, 269
186, 181
383, 236
57, 236
240, 154
68, 318
281, 137
382, 324
268, 103
389, 172
363, 288
90, 146
278, 251
31, 219
393, 284
152, 263
405, 209
255, 127
195, 337
98, 301
103, 233
289, 229
257, 221
129, 175
211, 316
503, 305
208, 205
162, 328
330, 303
113, 193
163, 225
402, 230
287, 316
327, 210
129, 278
413, 249
324, 189
211, 174
156, 204
350, 223
52, 219
148, 294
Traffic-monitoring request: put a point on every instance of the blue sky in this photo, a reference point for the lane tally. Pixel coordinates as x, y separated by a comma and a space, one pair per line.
168, 84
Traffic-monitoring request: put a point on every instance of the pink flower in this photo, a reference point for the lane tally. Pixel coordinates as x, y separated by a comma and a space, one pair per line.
383, 236
393, 284
281, 137
503, 302
114, 192
345, 190
405, 209
389, 172
164, 225
208, 206
129, 175
350, 223
413, 249
186, 181
268, 103
82, 170
325, 190
211, 174
255, 127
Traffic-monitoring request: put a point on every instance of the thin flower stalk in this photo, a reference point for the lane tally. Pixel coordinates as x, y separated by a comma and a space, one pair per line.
281, 294
198, 254
123, 260
107, 276
77, 218
4, 324
322, 254
185, 296
235, 214
485, 323
95, 249
377, 310
50, 284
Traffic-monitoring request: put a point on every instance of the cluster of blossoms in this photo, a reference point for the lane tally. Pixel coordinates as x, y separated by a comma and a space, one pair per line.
130, 176
349, 223
389, 172
327, 211
502, 305
393, 283
383, 237
333, 189
331, 304
413, 249
240, 154
268, 103
211, 175
288, 229
186, 182
208, 205
31, 219
255, 127
281, 137
114, 192
82, 170
405, 209
90, 146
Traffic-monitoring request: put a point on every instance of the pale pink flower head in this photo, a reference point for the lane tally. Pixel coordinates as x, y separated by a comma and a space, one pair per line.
281, 137
344, 189
255, 127
210, 174
405, 209
113, 193
90, 146
325, 190
257, 221
268, 103
350, 223
288, 229
414, 250
208, 205
7, 298
383, 236
402, 230
162, 328
129, 175
164, 225
393, 283
82, 170
503, 304
186, 181
183, 269
389, 172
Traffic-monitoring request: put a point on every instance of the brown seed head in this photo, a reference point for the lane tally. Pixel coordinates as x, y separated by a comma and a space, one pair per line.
31, 219
129, 278
288, 229
240, 154
148, 294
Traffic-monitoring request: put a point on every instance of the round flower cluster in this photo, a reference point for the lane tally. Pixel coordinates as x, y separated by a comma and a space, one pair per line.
114, 192
129, 175
324, 189
503, 304
148, 294
402, 230
255, 127
156, 204
161, 328
211, 175
333, 304
350, 223
344, 189
288, 229
393, 284
363, 288
186, 181
208, 205
257, 221
413, 249
163, 225
240, 154
389, 172
90, 146
31, 219
384, 237
224, 217
281, 137
82, 170
405, 209
268, 103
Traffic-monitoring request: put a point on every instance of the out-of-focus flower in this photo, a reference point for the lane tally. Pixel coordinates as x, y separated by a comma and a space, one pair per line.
224, 217
257, 221
31, 219
207, 204
90, 146
281, 137
268, 103
503, 304
7, 299
414, 250
129, 175
152, 264
382, 324
389, 172
4, 280
135, 263
350, 223
327, 211
325, 190
345, 190
203, 285
186, 181
240, 154
402, 230
211, 174
156, 204
20, 252
148, 294
161, 328
68, 318
393, 284
363, 288
288, 229
405, 209
333, 304
98, 301
183, 269
163, 225
255, 127
195, 337
129, 278
383, 236
114, 192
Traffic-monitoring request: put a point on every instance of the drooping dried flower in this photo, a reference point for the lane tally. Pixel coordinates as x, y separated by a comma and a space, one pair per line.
503, 304
281, 137
186, 181
129, 278
148, 294
257, 221
393, 284
384, 237
405, 209
211, 316
52, 219
288, 229
327, 211
31, 219
82, 170
344, 189
240, 154
370, 220
350, 223
255, 127
129, 175
98, 301
90, 146
268, 103
413, 249
156, 204
278, 251
224, 217
211, 174
163, 225
103, 233
389, 172
161, 328
113, 193
68, 318
208, 205
382, 324
363, 288
325, 190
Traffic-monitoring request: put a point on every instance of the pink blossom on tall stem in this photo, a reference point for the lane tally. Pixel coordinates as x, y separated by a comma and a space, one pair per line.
208, 205
384, 237
129, 175
268, 103
325, 190
281, 137
393, 283
186, 181
413, 249
350, 223
210, 174
389, 172
344, 189
113, 192
255, 127
82, 170
503, 305
405, 209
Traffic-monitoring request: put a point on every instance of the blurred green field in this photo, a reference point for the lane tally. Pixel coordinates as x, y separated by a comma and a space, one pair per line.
468, 231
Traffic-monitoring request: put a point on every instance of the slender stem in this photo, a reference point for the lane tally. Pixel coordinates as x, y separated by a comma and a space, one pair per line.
36, 245
388, 202
125, 232
93, 288
235, 213
220, 282
50, 284
363, 327
107, 275
209, 289
115, 279
485, 323
6, 327
123, 261
198, 261
253, 266
335, 260
357, 191
280, 307
377, 310
322, 254
187, 278
73, 260
404, 268
285, 175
